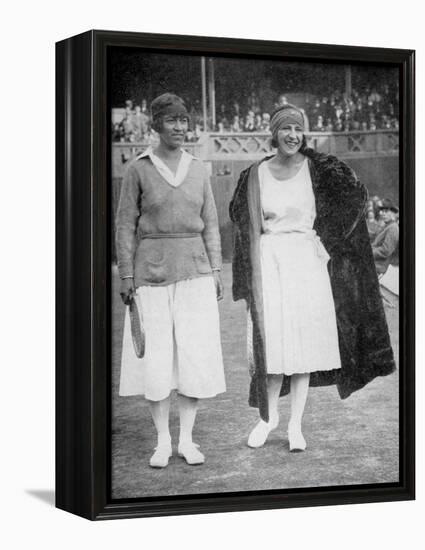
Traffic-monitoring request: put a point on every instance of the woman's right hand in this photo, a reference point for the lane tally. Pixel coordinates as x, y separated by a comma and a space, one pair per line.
127, 290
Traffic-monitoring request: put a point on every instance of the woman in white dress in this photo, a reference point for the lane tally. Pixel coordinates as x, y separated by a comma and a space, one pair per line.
280, 266
299, 312
169, 260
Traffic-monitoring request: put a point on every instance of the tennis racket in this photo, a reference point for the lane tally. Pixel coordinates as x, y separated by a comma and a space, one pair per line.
137, 329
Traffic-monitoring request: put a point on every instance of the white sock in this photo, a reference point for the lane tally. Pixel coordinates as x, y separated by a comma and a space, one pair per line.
164, 438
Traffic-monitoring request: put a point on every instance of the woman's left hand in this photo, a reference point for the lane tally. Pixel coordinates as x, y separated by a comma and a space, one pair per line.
218, 285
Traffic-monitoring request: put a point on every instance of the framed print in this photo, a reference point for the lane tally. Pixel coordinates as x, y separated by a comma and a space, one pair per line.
235, 282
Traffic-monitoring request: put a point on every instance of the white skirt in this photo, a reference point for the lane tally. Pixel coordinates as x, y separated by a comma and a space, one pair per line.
183, 346
299, 312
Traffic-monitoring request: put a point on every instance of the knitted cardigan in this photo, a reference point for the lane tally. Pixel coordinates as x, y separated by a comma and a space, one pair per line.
362, 329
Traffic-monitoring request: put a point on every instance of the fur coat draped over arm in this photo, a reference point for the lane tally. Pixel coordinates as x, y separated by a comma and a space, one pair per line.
362, 328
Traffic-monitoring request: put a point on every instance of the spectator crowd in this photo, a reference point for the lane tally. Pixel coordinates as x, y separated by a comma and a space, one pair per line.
372, 108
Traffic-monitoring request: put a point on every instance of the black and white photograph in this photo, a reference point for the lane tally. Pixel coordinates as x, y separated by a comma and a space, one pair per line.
254, 312
211, 237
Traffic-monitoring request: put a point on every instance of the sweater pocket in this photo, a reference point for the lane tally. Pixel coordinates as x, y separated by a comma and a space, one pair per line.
202, 262
152, 261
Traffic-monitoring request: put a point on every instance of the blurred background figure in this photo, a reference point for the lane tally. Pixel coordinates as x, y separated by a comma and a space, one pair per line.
282, 101
385, 249
236, 126
373, 226
265, 125
249, 122
140, 123
127, 127
258, 124
318, 126
144, 107
385, 245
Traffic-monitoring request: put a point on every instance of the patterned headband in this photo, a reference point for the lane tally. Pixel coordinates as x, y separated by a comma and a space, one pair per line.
168, 104
286, 116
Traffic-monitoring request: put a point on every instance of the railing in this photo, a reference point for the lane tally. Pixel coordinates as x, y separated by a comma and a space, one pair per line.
251, 146
344, 144
123, 151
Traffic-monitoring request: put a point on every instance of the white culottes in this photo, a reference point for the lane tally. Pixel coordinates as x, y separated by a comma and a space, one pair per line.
299, 312
183, 346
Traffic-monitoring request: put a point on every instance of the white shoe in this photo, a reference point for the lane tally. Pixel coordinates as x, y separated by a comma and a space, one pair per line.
189, 451
161, 456
296, 439
260, 433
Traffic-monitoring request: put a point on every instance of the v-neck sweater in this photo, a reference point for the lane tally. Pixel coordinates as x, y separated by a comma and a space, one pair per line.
150, 206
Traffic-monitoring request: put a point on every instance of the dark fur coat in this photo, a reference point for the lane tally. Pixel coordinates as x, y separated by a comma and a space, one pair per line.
362, 329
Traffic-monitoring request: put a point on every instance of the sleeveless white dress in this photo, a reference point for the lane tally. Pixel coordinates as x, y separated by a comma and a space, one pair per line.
299, 312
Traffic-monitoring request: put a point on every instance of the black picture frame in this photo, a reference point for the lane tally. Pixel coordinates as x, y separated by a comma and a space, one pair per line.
83, 415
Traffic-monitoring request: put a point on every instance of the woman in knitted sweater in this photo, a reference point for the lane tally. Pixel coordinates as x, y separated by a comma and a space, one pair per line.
169, 260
